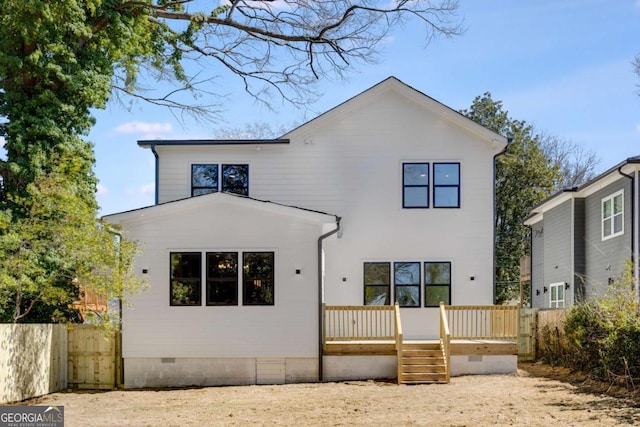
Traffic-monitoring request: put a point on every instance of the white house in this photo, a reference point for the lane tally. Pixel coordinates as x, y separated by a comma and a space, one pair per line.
386, 198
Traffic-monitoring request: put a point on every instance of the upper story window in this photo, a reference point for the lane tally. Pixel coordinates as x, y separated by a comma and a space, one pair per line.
613, 215
209, 178
415, 185
419, 189
556, 295
446, 185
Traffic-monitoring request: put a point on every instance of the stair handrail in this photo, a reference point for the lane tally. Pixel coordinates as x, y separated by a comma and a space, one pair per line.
398, 331
445, 340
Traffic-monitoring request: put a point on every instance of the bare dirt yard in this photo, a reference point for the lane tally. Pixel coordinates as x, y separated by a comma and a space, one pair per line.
536, 396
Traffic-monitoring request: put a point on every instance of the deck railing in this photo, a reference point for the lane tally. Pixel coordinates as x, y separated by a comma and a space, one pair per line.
360, 323
486, 322
398, 340
445, 340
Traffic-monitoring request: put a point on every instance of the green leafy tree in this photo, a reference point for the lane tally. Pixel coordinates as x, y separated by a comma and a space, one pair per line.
524, 177
60, 59
53, 246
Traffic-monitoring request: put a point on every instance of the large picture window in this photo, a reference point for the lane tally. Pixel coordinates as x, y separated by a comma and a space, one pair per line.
446, 185
377, 279
613, 215
406, 279
186, 278
210, 178
258, 278
415, 185
437, 283
222, 278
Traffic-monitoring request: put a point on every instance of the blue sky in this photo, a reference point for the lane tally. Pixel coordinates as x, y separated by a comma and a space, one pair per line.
563, 66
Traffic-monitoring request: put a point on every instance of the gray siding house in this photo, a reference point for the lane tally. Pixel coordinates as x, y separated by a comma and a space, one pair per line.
581, 238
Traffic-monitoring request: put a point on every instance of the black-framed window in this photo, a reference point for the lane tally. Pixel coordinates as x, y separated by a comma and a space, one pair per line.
186, 278
415, 185
446, 185
258, 278
204, 179
222, 278
235, 179
406, 280
437, 283
377, 279
210, 178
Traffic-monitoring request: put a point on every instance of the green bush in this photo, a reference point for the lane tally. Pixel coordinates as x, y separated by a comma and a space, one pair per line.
602, 337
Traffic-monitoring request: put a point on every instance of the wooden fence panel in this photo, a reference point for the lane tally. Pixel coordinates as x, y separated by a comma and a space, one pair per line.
527, 334
92, 358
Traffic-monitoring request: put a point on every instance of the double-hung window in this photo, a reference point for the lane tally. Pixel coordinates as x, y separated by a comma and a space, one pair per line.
222, 278
258, 278
556, 295
210, 178
415, 185
186, 278
446, 185
406, 279
377, 279
613, 215
437, 283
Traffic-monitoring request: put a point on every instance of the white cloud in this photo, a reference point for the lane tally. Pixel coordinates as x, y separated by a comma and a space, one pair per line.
101, 190
137, 127
2, 141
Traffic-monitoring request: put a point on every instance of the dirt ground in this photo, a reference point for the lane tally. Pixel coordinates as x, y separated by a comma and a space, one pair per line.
536, 396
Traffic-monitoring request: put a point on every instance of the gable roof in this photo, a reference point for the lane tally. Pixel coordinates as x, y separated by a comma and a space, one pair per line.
392, 83
615, 173
204, 200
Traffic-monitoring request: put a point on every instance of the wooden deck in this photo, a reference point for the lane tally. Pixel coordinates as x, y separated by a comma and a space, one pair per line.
459, 347
464, 331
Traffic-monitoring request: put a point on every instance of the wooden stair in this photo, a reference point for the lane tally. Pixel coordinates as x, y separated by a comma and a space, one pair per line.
422, 363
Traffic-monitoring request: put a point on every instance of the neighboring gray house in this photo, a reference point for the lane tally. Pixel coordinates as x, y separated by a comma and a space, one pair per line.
582, 237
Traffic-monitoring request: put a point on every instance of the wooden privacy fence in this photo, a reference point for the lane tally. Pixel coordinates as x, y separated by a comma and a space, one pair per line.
356, 322
94, 359
483, 322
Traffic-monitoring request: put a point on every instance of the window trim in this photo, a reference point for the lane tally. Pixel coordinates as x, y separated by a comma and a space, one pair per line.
365, 286
436, 186
449, 285
416, 285
195, 304
405, 185
561, 286
611, 198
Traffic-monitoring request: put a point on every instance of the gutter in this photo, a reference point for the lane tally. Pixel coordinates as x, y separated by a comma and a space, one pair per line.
320, 301
495, 214
157, 179
634, 237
